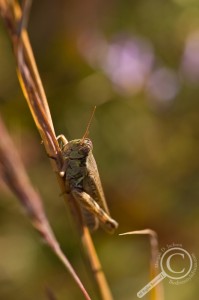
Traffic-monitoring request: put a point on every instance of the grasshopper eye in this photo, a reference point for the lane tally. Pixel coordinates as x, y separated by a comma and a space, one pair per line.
86, 147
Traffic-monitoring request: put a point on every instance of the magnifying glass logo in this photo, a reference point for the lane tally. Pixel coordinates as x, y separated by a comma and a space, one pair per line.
167, 270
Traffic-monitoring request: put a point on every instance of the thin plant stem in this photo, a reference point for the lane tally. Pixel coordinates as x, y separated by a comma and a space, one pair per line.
34, 93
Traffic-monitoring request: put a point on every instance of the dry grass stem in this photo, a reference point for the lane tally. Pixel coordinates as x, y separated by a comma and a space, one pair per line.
34, 93
157, 292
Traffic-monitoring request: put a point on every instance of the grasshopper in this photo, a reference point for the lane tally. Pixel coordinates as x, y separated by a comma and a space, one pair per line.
82, 181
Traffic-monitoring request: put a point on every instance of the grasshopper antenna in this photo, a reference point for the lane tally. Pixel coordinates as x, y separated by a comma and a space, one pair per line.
88, 126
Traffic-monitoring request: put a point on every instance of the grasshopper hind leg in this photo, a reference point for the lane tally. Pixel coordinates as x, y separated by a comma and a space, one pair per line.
86, 202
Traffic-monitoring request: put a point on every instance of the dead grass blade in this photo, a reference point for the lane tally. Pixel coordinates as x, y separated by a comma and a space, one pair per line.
157, 292
14, 174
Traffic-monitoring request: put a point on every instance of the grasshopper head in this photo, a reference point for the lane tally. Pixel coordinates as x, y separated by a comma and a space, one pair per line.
79, 148
85, 146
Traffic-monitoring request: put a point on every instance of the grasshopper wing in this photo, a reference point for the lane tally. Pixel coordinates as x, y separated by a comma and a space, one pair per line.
92, 183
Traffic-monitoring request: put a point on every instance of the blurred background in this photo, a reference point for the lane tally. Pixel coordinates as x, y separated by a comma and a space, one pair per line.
138, 61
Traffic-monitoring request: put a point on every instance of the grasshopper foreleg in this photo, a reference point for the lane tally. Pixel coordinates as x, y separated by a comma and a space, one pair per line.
63, 139
88, 203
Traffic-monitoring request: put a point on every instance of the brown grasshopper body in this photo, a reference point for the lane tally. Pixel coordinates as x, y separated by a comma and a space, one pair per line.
83, 182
